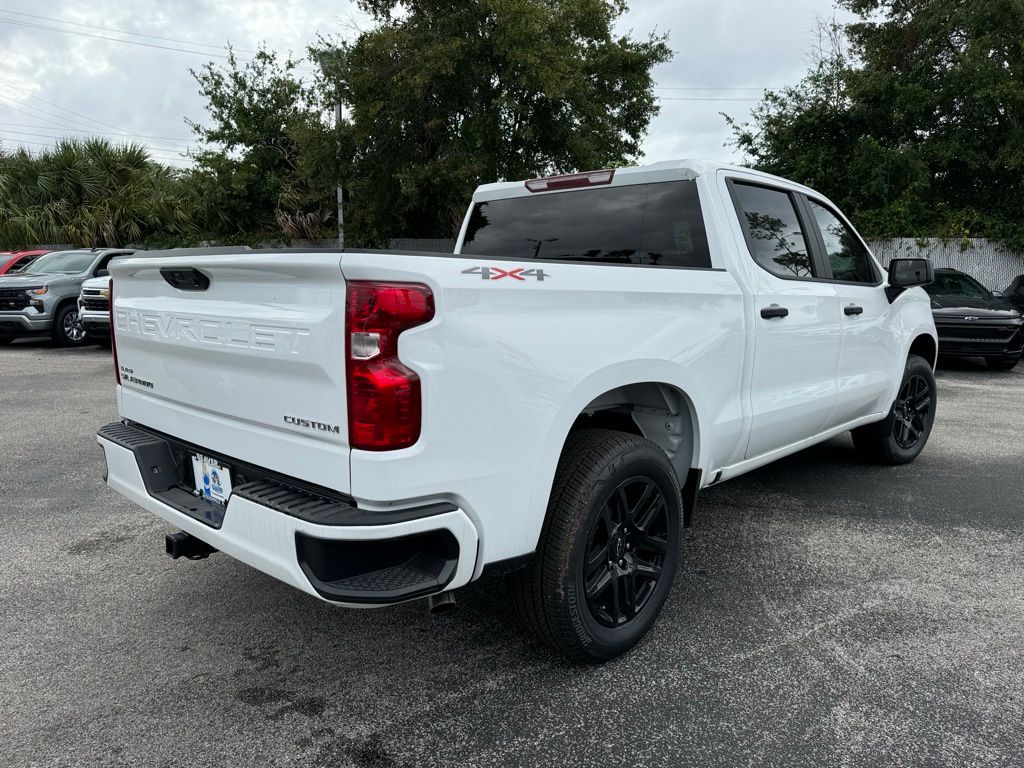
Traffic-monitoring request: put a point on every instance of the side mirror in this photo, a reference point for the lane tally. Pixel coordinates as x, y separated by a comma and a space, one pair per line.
102, 273
908, 273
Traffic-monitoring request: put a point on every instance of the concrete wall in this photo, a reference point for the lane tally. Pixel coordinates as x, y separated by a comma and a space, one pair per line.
990, 263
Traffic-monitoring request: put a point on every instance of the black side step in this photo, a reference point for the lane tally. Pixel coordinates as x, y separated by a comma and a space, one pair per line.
379, 570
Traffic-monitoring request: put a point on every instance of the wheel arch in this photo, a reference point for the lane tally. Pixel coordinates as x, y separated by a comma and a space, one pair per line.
924, 345
658, 391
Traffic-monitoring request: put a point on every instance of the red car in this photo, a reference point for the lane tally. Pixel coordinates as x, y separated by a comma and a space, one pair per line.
16, 261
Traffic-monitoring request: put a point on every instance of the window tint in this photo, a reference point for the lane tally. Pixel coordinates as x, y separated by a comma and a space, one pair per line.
21, 263
656, 224
846, 255
957, 284
773, 230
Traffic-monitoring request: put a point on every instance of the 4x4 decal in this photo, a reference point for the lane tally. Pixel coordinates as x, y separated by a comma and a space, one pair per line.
496, 273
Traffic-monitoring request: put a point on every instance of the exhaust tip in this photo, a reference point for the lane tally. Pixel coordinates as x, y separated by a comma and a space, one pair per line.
441, 603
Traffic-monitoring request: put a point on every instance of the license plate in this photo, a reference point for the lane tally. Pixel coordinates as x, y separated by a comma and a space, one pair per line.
213, 479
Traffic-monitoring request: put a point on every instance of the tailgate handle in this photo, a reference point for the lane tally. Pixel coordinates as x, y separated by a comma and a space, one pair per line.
185, 279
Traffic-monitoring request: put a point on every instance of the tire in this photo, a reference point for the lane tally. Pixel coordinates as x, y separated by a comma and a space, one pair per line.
615, 495
1001, 363
901, 436
67, 330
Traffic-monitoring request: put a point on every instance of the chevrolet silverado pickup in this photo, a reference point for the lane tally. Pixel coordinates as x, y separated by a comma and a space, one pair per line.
545, 403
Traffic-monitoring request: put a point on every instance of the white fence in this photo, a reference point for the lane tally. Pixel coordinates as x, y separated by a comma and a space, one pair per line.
990, 263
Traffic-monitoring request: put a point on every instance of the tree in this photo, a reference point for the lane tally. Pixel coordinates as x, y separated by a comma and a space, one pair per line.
443, 96
89, 193
252, 178
919, 129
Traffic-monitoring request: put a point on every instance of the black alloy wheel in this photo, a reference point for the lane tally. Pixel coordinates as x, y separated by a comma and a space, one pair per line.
625, 552
912, 408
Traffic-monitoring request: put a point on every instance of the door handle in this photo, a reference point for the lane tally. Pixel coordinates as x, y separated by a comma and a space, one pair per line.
774, 311
853, 309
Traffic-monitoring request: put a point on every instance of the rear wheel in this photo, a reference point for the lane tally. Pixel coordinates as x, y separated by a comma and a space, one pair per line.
1002, 363
902, 435
68, 330
608, 552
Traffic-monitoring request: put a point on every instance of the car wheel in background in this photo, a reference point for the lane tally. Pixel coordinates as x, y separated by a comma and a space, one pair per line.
608, 551
902, 435
68, 330
1002, 363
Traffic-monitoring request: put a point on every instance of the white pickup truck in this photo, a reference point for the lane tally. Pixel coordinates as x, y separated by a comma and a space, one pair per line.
547, 401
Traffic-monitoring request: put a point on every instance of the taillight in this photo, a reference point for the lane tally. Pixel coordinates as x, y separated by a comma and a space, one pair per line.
384, 403
113, 341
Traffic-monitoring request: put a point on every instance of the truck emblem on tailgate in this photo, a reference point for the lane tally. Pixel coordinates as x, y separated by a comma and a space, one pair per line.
312, 424
208, 331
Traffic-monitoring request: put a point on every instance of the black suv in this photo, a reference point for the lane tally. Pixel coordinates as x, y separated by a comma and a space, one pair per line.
972, 321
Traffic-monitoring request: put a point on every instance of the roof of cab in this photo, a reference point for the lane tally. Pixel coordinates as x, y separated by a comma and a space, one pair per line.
667, 170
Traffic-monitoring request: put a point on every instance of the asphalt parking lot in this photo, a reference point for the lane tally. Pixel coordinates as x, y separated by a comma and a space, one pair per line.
828, 613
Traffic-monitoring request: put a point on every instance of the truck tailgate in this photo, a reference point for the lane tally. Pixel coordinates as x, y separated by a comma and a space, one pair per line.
240, 354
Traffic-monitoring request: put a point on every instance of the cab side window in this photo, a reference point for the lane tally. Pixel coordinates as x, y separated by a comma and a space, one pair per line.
846, 255
772, 227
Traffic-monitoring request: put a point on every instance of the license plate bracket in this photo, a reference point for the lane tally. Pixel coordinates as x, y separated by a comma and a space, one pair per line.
212, 479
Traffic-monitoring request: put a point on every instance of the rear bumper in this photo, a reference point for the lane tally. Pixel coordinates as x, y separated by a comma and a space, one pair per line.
339, 563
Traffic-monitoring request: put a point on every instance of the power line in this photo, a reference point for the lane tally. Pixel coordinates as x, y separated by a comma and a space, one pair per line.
707, 98
694, 88
38, 114
86, 117
7, 131
54, 145
122, 31
208, 55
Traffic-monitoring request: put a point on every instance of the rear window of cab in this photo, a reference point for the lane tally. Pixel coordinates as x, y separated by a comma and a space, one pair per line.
643, 224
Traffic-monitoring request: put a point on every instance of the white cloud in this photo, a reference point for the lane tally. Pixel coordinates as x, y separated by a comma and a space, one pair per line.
148, 92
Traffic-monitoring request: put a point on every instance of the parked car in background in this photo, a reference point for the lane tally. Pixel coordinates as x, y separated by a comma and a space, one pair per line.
43, 300
1014, 293
372, 427
12, 262
94, 309
975, 322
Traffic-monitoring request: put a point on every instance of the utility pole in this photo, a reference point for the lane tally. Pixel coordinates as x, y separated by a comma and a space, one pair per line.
341, 214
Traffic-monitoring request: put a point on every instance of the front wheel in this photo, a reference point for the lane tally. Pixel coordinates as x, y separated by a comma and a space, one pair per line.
68, 330
608, 551
901, 436
1001, 363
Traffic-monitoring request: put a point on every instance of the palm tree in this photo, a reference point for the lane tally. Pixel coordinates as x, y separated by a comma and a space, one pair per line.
91, 193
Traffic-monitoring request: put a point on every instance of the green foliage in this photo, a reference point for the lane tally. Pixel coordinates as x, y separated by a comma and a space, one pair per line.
444, 96
919, 130
89, 193
252, 179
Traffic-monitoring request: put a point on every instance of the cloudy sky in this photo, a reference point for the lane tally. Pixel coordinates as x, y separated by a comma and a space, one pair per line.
120, 69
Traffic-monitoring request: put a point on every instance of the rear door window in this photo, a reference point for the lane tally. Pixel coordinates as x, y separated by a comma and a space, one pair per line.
773, 232
645, 224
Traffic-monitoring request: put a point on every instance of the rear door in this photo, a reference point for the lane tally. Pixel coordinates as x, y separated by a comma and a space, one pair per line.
870, 346
797, 326
239, 354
